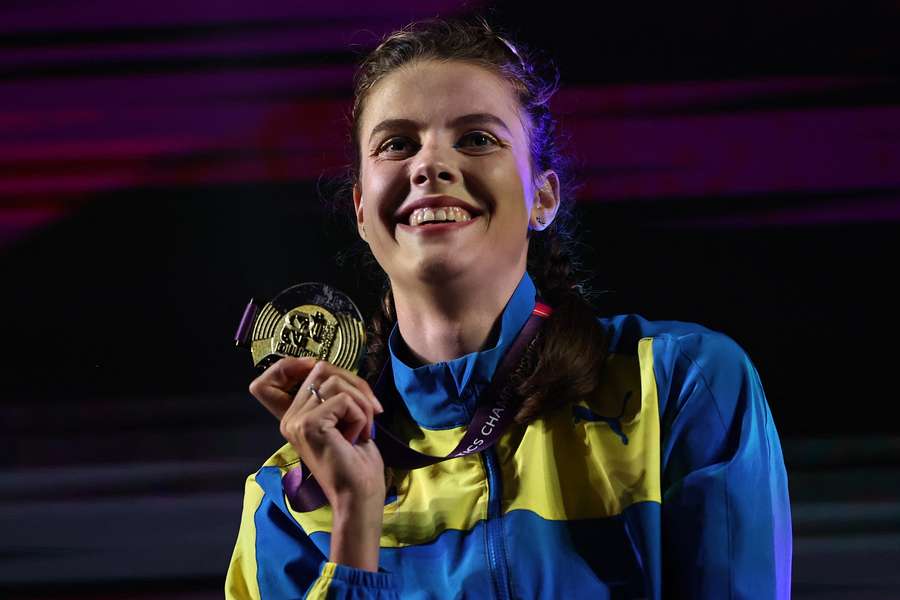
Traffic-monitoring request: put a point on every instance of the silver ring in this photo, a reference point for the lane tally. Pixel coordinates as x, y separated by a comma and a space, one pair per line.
315, 392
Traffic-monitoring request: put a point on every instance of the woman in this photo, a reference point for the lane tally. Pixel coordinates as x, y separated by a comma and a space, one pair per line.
643, 461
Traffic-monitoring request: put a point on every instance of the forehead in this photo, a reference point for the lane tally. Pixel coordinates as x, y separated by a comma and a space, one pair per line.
435, 92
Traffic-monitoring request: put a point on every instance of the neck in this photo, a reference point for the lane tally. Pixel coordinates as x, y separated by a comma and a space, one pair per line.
445, 321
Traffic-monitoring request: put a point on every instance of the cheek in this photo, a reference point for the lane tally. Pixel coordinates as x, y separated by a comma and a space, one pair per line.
510, 187
372, 193
376, 191
526, 185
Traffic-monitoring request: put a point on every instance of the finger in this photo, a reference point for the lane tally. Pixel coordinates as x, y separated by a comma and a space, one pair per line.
306, 400
311, 428
286, 372
323, 373
337, 384
351, 419
272, 387
363, 386
358, 382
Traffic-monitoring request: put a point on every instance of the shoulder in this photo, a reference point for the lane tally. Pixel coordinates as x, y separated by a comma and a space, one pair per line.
624, 332
672, 341
686, 360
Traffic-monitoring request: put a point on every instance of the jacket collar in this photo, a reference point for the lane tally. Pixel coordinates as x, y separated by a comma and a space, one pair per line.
444, 394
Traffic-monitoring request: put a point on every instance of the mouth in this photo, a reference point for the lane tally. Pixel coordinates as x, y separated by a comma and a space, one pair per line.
436, 210
422, 217
435, 227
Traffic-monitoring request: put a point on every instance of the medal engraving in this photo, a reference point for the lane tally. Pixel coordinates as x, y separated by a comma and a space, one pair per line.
310, 319
307, 331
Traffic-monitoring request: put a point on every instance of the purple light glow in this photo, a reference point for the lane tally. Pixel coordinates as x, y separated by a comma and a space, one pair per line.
232, 115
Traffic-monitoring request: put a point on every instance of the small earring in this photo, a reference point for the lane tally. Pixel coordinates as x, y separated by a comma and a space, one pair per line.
540, 217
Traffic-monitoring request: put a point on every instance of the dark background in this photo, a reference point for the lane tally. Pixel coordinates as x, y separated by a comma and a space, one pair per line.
161, 163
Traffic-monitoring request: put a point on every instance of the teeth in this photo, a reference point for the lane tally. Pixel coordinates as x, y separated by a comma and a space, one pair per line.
448, 213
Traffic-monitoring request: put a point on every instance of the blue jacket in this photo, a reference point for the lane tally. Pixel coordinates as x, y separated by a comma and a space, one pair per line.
671, 483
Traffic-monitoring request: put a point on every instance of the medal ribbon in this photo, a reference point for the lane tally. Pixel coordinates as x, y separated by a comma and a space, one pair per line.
492, 418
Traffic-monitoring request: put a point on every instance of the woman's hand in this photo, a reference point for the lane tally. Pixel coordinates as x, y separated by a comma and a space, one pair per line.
333, 437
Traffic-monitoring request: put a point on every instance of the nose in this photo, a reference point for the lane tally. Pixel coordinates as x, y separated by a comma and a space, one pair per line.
433, 167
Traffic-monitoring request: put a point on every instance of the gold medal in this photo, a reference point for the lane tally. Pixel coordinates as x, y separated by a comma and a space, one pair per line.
309, 319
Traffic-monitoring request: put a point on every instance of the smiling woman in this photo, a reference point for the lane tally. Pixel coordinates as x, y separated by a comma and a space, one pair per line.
448, 134
537, 450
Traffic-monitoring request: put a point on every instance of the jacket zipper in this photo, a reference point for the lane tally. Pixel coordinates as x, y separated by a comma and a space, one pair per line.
496, 549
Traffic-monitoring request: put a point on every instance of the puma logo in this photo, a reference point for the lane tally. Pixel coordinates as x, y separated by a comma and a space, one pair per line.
582, 413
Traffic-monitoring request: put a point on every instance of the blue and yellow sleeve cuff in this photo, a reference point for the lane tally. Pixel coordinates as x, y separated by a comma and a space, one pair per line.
341, 581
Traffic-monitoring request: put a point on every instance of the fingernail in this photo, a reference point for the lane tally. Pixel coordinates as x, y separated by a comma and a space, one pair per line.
372, 434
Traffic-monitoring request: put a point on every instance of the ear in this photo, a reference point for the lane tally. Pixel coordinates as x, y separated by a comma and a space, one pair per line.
546, 201
358, 209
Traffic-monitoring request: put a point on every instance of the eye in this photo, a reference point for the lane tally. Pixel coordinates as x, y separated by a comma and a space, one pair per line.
396, 144
478, 140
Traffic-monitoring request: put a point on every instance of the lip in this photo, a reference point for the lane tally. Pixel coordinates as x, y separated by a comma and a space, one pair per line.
435, 228
401, 217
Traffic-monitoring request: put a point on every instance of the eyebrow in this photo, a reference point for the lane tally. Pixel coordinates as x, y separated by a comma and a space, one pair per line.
471, 119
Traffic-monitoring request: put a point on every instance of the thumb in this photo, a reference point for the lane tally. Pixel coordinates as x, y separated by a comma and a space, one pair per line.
276, 386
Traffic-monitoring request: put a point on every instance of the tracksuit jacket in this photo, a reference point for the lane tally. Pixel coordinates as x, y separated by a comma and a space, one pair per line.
670, 483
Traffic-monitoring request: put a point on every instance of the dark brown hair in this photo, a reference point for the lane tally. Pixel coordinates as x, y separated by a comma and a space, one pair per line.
566, 360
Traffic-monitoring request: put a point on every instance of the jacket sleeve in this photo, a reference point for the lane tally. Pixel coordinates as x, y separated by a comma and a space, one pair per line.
726, 524
274, 559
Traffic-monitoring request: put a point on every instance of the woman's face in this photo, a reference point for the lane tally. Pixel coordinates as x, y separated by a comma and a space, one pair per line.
447, 135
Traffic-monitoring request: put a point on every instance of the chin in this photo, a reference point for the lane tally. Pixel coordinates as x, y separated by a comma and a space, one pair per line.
436, 270
436, 273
